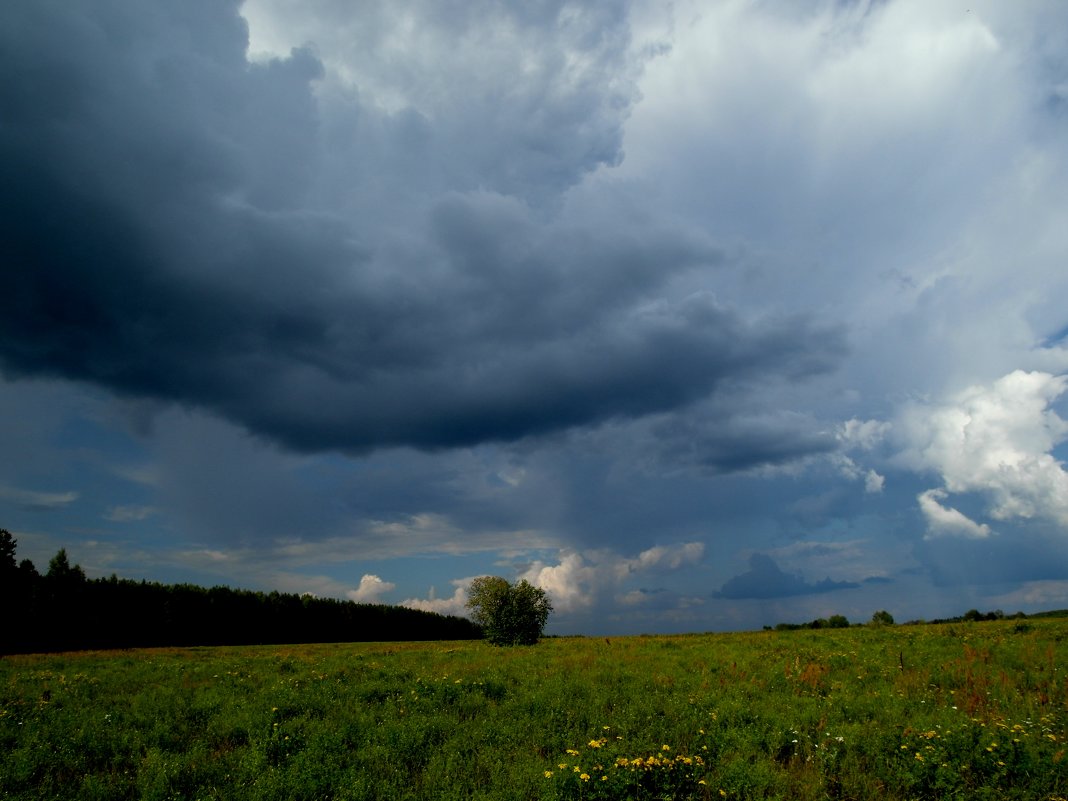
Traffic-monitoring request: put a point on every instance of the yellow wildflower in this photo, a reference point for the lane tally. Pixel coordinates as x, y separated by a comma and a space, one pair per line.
584, 776
548, 774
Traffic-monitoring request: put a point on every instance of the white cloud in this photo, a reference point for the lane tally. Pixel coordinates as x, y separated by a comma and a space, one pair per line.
129, 514
571, 584
945, 521
862, 434
1052, 594
37, 500
578, 581
370, 590
670, 557
873, 482
455, 604
997, 440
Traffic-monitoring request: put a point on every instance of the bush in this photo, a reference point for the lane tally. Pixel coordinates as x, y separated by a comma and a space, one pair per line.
882, 618
509, 614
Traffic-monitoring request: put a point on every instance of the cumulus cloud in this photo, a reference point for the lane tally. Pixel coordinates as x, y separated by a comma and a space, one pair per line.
862, 434
570, 584
579, 581
873, 481
945, 521
994, 439
455, 604
371, 589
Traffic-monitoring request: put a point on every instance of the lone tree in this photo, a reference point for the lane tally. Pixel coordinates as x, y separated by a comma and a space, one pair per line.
882, 618
509, 614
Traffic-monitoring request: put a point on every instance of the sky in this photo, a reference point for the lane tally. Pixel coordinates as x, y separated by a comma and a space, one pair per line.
701, 316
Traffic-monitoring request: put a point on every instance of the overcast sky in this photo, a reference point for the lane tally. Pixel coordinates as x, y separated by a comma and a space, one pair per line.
701, 317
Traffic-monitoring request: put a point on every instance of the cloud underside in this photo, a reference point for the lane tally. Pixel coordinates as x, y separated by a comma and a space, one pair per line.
161, 249
765, 579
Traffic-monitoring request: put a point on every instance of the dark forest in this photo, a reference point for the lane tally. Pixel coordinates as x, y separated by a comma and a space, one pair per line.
62, 610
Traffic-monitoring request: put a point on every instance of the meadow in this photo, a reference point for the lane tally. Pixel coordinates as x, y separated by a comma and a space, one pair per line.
972, 710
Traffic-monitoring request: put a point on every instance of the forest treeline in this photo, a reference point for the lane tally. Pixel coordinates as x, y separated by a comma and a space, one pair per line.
63, 610
884, 618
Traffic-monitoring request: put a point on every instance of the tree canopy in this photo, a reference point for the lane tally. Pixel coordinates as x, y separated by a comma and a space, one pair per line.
508, 614
64, 610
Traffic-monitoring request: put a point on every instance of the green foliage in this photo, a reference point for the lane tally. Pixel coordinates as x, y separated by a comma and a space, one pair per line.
509, 614
608, 767
64, 610
970, 712
882, 618
61, 571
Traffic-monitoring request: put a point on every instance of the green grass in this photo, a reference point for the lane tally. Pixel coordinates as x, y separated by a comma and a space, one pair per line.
959, 711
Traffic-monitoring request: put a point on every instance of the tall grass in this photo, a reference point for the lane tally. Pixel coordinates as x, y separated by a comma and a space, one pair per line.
965, 711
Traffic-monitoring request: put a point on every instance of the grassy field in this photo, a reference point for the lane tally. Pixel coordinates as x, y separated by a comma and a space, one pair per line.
952, 711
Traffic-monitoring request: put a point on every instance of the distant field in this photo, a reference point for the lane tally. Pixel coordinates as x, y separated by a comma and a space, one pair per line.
970, 710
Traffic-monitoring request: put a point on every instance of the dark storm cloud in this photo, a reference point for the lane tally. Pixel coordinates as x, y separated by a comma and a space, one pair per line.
165, 239
765, 579
1018, 554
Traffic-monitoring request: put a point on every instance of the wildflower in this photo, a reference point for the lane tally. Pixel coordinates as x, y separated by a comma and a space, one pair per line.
665, 748
572, 752
594, 743
584, 776
919, 757
548, 774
